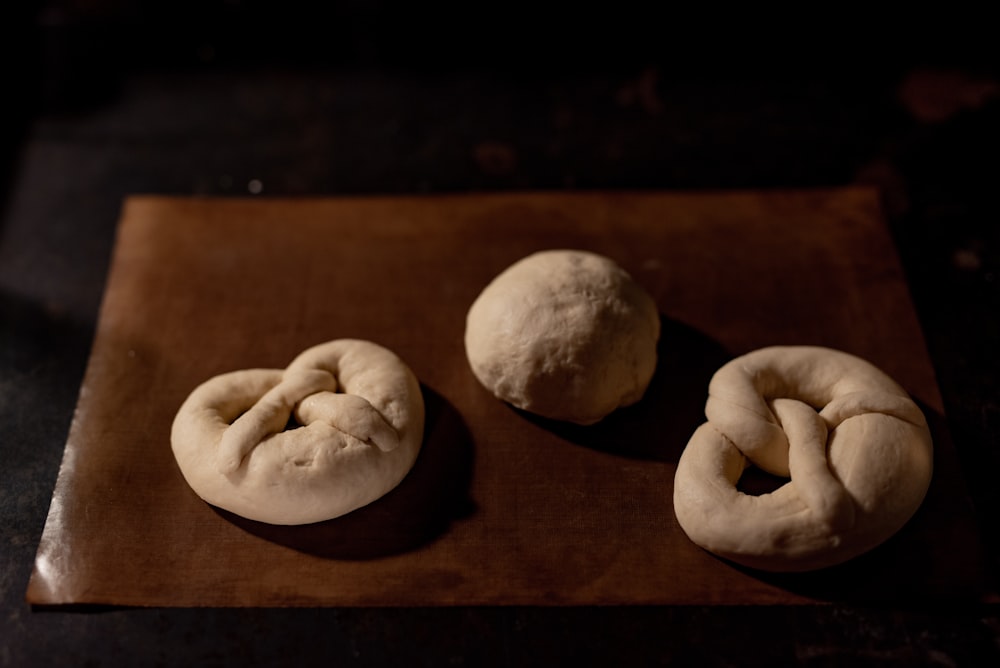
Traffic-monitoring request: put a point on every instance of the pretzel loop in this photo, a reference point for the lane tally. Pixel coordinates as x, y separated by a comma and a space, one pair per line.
359, 415
856, 448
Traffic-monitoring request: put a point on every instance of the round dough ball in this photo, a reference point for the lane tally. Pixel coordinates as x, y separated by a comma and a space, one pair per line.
564, 334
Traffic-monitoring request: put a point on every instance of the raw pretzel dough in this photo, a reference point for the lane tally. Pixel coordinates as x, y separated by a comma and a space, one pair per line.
362, 417
564, 334
856, 447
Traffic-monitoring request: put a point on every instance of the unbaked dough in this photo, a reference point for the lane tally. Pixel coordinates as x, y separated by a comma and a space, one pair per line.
362, 419
855, 445
564, 334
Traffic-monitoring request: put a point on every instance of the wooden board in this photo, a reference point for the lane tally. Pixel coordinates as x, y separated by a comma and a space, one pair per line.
501, 508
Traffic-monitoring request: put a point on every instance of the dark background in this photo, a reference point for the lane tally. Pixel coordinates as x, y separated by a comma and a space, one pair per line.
107, 98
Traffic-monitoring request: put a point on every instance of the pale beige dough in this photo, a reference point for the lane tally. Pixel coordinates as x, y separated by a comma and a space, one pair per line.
565, 334
362, 419
856, 447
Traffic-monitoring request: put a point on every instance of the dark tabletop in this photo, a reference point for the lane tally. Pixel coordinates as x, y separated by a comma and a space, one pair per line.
105, 99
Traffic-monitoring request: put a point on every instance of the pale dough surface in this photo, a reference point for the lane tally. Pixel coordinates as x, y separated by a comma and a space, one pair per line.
361, 417
565, 334
856, 447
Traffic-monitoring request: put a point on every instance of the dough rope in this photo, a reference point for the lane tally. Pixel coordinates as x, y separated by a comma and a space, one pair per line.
361, 417
856, 447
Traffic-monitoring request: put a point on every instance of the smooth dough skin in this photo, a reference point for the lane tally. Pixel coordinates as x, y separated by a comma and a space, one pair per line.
856, 447
362, 421
564, 334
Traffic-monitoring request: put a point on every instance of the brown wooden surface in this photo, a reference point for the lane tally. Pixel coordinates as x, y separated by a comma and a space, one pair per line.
501, 508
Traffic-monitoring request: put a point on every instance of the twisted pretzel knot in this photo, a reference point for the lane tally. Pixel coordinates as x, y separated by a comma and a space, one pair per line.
856, 447
359, 415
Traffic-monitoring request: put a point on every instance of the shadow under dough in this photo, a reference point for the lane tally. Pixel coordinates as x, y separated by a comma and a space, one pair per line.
659, 426
418, 510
